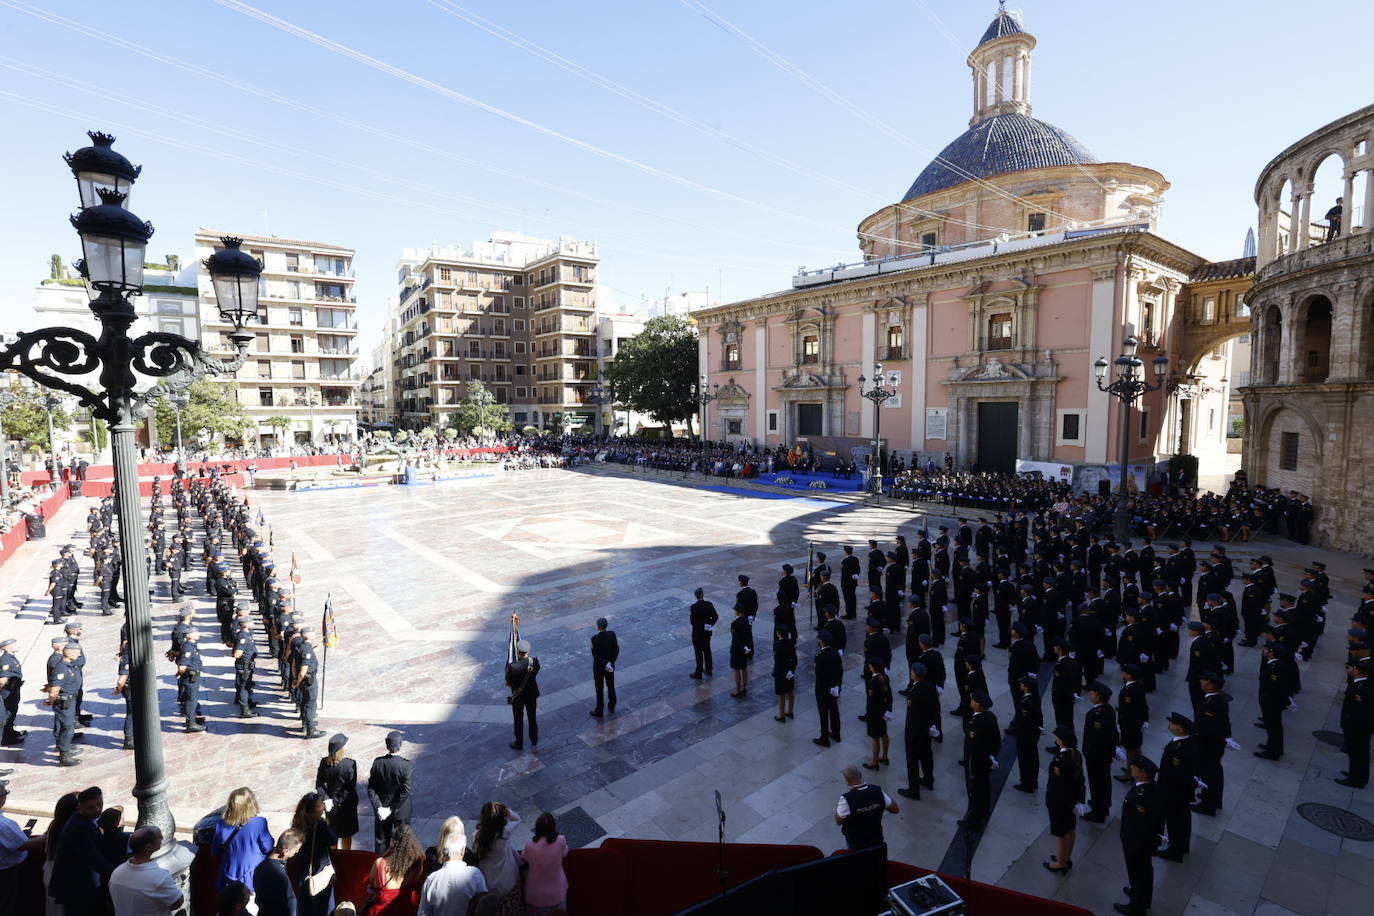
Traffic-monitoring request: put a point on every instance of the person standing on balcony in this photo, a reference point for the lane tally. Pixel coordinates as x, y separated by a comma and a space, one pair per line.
1333, 219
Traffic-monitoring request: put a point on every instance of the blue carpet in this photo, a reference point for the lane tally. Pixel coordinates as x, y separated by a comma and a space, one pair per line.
759, 494
803, 481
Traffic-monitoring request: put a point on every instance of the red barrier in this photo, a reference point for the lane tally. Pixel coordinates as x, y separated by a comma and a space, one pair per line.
11, 540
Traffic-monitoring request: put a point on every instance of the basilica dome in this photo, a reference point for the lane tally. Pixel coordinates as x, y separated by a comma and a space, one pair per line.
996, 145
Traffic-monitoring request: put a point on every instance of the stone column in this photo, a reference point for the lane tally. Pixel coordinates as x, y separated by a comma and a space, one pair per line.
1348, 216
1344, 361
1369, 200
1290, 372
761, 400
868, 337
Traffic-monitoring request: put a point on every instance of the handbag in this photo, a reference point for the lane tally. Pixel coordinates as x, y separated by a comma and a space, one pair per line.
319, 882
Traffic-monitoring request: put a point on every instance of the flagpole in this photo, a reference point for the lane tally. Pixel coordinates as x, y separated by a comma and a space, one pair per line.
324, 628
811, 580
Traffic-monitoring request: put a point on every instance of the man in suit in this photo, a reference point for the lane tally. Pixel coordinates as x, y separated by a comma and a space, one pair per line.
82, 870
1142, 821
829, 675
388, 789
703, 617
1132, 715
522, 677
849, 582
922, 724
605, 651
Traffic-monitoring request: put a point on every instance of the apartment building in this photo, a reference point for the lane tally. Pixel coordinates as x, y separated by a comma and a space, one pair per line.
516, 313
303, 364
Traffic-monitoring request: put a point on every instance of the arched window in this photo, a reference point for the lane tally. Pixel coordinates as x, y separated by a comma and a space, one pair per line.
999, 331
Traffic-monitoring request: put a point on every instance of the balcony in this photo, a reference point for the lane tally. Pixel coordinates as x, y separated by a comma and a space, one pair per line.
1342, 248
895, 353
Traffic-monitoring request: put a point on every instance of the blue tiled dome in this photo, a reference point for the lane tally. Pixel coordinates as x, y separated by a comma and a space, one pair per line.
997, 145
1003, 24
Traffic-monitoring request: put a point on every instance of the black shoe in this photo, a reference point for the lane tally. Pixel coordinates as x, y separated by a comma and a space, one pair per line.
248, 714
596, 714
1127, 909
516, 746
1210, 812
821, 742
1020, 787
695, 675
1053, 749
85, 719
611, 709
868, 766
68, 761
929, 784
1001, 645
1354, 785
6, 771
1095, 818
914, 794
779, 718
1265, 755
128, 744
863, 718
970, 824
195, 728
1058, 869
315, 734
1169, 854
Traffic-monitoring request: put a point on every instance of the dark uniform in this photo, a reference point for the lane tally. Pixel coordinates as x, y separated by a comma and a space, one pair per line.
1100, 739
829, 674
388, 786
1064, 687
1277, 683
922, 714
1177, 783
64, 675
1026, 726
1142, 820
982, 738
849, 585
12, 675
308, 689
1214, 727
245, 662
1064, 789
605, 651
863, 825
188, 683
1357, 722
522, 677
122, 690
703, 618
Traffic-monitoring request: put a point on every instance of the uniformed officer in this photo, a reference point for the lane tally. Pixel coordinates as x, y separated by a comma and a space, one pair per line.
73, 568
11, 679
57, 590
105, 579
1064, 795
245, 661
175, 561
1064, 687
64, 681
922, 725
1027, 726
1132, 715
849, 582
703, 618
1142, 820
829, 674
1214, 736
522, 677
1100, 739
307, 685
747, 599
1278, 682
121, 689
982, 736
1357, 722
1178, 764
605, 651
860, 811
188, 681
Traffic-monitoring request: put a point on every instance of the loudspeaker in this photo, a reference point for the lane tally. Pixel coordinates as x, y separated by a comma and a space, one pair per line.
1104, 488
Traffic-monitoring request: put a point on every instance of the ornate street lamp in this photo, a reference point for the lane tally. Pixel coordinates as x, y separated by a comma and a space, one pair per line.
705, 397
877, 394
1128, 386
597, 395
114, 241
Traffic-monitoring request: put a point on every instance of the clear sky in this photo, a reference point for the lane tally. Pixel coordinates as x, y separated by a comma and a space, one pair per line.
376, 143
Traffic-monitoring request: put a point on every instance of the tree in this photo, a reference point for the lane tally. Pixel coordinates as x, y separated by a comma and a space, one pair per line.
479, 410
280, 425
212, 406
28, 420
655, 370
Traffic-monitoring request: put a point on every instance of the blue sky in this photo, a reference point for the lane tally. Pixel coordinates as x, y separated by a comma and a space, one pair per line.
1204, 92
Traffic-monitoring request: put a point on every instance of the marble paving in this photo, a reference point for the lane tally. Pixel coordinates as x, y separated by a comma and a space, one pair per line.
423, 581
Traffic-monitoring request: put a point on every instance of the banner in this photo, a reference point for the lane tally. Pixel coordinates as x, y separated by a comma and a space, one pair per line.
329, 628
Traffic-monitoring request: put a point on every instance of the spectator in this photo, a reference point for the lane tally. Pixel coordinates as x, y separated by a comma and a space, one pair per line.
233, 900
241, 839
12, 855
337, 779
62, 812
1333, 219
114, 839
317, 840
500, 863
546, 887
394, 887
81, 871
140, 886
451, 890
272, 891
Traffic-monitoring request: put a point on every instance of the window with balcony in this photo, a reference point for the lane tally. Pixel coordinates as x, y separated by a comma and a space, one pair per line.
297, 343
731, 356
332, 318
500, 349
999, 331
293, 289
896, 342
295, 317
521, 393
811, 349
498, 326
1035, 222
265, 397
474, 349
262, 313
472, 278
264, 368
293, 262
297, 368
299, 393
334, 368
498, 304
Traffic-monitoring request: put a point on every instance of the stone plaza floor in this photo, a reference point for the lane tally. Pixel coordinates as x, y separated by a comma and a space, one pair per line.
423, 581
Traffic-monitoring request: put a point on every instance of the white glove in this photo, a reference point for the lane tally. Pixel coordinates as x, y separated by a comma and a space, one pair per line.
1039, 630
1101, 654
1080, 809
383, 814
1121, 754
329, 804
610, 669
934, 732
887, 717
995, 764
1225, 667
1231, 743
748, 651
1200, 783
1292, 704
751, 621
1302, 645
791, 675
1159, 631
1111, 634
1144, 657
708, 627
855, 577
939, 689
834, 691
1144, 725
841, 651
1077, 697
1174, 627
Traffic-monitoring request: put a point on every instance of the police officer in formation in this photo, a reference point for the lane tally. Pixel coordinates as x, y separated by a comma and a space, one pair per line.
605, 652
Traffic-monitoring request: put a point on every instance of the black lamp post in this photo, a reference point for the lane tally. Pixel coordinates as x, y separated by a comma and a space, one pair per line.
877, 394
705, 397
102, 373
1128, 386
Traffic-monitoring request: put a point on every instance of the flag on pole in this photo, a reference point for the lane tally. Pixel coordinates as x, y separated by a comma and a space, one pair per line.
514, 638
330, 629
262, 520
295, 570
